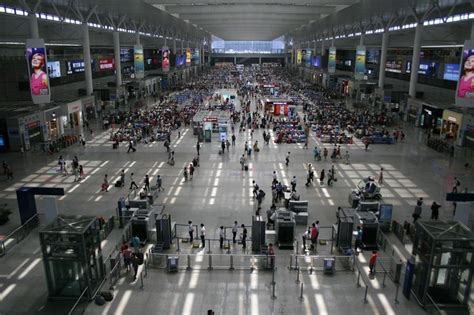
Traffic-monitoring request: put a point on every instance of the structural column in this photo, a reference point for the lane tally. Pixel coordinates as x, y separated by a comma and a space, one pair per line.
182, 47
323, 49
315, 49
87, 58
174, 45
137, 38
415, 62
383, 59
361, 39
34, 30
118, 64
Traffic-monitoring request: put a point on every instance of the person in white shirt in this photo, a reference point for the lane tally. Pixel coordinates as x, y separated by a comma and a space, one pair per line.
203, 235
132, 182
275, 178
221, 236
235, 229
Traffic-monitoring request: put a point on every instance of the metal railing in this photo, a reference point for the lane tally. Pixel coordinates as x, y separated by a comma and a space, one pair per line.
316, 262
393, 261
431, 307
213, 261
81, 303
361, 274
19, 234
108, 227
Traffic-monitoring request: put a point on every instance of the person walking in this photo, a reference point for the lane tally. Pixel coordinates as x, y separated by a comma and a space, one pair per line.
274, 178
134, 261
81, 172
456, 184
321, 177
347, 158
191, 232
373, 262
287, 159
198, 146
221, 237
233, 140
146, 181
243, 161
202, 234
191, 171
255, 188
381, 176
235, 229
244, 236
417, 211
185, 173
325, 154
127, 257
435, 210
293, 184
131, 147
159, 183
314, 236
133, 185
105, 184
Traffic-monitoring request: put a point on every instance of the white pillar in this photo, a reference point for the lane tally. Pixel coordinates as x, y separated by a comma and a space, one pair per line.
323, 49
87, 59
383, 59
174, 45
332, 42
34, 30
182, 47
166, 42
315, 49
118, 64
415, 62
235, 60
137, 38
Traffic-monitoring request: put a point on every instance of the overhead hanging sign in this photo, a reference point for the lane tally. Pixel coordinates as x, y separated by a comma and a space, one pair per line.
360, 63
138, 61
332, 60
165, 59
465, 88
39, 80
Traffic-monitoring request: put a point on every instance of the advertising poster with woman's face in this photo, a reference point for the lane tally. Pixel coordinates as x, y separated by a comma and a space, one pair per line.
39, 80
465, 90
165, 62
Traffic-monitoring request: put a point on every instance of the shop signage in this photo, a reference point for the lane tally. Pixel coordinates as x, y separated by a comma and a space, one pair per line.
210, 119
450, 118
106, 64
74, 107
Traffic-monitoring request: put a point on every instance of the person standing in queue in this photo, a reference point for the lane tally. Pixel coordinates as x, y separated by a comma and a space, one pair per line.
221, 236
235, 229
198, 146
244, 236
191, 232
203, 235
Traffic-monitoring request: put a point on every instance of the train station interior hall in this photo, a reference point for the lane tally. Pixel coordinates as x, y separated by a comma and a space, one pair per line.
242, 157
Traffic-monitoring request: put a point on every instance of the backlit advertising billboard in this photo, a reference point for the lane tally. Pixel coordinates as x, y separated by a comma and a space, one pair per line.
54, 69
165, 59
196, 56
332, 60
465, 88
138, 61
299, 56
360, 63
106, 64
451, 72
38, 73
317, 61
188, 56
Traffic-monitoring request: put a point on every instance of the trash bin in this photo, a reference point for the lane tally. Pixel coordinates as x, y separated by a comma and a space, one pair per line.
172, 263
329, 265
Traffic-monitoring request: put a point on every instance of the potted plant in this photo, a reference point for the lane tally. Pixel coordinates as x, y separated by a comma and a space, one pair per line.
4, 214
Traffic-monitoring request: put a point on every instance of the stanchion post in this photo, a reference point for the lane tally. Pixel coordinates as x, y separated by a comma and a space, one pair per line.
208, 246
228, 246
365, 295
396, 294
301, 292
141, 280
332, 240
296, 262
177, 244
291, 262
297, 248
298, 275
273, 291
188, 258
231, 262
210, 263
273, 275
383, 282
358, 278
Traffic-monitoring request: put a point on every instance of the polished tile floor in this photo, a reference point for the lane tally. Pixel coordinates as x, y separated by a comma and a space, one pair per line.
219, 194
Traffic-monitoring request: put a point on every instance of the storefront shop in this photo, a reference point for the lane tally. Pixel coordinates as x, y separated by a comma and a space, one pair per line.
452, 121
431, 117
52, 128
88, 105
25, 131
413, 111
74, 111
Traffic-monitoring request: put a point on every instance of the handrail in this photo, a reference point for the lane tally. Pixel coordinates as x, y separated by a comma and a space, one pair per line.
434, 304
3, 248
71, 312
297, 266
